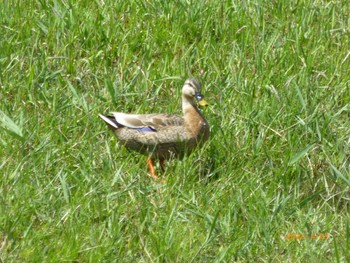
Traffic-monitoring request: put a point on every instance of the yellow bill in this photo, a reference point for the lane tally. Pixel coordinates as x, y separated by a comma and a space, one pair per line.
202, 103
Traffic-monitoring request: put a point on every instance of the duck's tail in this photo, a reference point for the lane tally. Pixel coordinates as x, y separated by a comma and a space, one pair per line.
110, 120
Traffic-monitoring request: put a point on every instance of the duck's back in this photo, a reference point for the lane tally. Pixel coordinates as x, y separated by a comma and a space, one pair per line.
166, 136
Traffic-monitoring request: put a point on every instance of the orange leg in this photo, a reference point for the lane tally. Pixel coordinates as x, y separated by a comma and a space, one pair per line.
152, 171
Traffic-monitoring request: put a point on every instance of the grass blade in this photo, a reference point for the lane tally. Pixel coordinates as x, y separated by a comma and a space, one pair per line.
10, 126
80, 99
213, 224
62, 178
112, 91
340, 175
300, 154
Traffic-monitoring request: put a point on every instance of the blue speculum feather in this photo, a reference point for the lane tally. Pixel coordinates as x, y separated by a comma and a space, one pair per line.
146, 129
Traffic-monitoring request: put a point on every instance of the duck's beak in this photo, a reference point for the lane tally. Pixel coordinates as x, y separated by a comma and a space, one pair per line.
200, 101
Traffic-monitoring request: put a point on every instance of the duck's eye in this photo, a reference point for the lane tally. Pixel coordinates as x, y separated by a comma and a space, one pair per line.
198, 96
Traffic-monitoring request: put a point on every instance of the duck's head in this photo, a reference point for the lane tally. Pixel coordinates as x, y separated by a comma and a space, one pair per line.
191, 90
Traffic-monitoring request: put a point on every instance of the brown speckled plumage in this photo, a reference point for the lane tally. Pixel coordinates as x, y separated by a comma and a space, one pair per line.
164, 136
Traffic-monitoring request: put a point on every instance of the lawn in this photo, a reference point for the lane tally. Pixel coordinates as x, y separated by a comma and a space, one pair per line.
272, 183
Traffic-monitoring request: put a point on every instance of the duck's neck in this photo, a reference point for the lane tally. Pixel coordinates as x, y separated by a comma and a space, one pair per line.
194, 120
190, 109
187, 104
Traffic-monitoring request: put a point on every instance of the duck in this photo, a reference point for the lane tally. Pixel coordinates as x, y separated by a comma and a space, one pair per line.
164, 136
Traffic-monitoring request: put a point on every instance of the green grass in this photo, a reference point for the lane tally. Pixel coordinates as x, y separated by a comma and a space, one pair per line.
276, 75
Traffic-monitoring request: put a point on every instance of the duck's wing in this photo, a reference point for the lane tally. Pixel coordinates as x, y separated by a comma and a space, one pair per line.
144, 121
